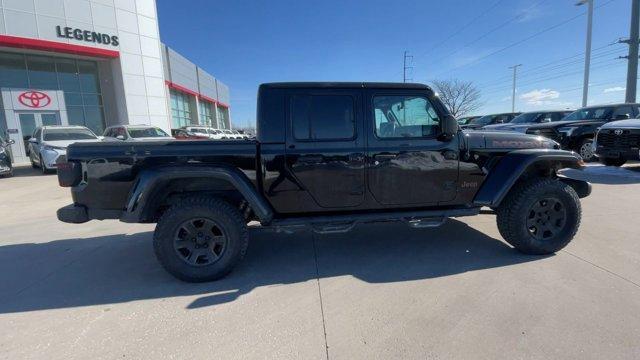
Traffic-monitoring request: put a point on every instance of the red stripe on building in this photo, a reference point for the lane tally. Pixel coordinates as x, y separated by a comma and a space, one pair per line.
193, 93
46, 45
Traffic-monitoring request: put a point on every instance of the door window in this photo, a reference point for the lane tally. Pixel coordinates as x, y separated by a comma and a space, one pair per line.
404, 117
323, 117
623, 110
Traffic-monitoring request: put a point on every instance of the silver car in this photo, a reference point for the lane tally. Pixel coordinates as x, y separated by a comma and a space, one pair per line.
135, 133
48, 145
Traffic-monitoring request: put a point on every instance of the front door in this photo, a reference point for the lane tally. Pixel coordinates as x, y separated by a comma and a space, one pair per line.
409, 165
324, 153
27, 123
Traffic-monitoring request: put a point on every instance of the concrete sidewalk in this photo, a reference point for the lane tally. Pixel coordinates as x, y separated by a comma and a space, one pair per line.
382, 291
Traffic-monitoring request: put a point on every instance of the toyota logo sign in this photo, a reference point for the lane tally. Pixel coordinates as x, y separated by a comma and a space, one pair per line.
34, 99
618, 132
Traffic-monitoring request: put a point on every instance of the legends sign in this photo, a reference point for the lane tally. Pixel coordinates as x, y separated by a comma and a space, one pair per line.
86, 35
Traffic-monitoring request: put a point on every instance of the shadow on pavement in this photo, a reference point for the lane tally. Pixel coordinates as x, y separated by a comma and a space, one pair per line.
122, 268
608, 175
28, 171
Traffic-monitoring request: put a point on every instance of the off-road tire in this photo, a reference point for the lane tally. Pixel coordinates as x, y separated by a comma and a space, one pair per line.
612, 161
514, 213
226, 217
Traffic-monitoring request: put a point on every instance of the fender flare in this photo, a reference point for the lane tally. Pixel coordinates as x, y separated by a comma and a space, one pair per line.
515, 163
148, 180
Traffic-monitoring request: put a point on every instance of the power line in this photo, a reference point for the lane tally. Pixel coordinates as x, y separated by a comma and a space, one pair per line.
462, 28
553, 27
405, 67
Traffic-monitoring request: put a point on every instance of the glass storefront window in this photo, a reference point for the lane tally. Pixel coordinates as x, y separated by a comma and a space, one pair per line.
13, 70
206, 115
180, 109
223, 117
42, 72
78, 79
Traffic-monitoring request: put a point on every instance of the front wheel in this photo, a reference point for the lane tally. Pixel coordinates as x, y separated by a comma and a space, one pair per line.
585, 149
540, 216
200, 239
612, 161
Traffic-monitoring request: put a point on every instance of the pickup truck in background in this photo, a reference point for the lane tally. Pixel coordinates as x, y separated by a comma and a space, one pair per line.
618, 141
577, 130
328, 156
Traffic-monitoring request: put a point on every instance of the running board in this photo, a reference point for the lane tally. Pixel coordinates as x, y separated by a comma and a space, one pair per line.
344, 223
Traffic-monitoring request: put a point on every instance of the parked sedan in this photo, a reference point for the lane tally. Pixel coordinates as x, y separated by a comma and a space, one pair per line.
48, 145
6, 168
135, 133
522, 122
182, 134
478, 123
465, 120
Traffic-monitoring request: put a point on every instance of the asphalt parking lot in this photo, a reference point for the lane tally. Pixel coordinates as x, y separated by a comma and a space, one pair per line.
382, 291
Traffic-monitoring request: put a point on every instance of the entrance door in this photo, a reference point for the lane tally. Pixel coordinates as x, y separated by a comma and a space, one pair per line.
27, 123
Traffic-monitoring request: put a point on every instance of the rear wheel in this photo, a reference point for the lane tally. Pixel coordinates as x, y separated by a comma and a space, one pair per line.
612, 161
200, 239
540, 216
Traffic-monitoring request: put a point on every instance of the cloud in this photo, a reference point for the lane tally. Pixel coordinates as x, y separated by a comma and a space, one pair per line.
528, 14
614, 89
506, 98
540, 97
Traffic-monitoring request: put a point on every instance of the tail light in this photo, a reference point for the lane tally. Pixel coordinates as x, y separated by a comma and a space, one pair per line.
69, 174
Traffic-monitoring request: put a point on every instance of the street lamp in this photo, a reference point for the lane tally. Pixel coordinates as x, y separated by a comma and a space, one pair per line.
587, 55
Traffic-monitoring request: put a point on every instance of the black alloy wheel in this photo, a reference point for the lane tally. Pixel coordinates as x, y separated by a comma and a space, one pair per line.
200, 241
547, 218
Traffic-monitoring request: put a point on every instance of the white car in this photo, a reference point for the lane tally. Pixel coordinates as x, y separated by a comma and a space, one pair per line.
48, 145
135, 133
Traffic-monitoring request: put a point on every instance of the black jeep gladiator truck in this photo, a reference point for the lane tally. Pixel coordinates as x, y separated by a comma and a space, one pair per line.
328, 156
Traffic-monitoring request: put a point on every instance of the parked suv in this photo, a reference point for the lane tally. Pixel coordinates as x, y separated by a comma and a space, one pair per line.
618, 141
6, 166
48, 145
577, 130
135, 133
478, 123
327, 156
523, 121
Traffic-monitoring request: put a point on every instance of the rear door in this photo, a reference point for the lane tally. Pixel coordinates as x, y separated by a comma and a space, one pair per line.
409, 164
324, 153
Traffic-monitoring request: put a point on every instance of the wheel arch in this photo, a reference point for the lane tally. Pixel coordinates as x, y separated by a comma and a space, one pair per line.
157, 187
520, 165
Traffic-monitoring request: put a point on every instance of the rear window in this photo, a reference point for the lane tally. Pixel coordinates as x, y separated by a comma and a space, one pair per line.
322, 117
147, 132
68, 134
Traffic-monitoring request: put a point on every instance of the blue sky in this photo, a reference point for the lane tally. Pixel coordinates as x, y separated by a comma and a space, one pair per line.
245, 43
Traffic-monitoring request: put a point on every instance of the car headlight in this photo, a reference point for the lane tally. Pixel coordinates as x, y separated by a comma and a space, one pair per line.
567, 130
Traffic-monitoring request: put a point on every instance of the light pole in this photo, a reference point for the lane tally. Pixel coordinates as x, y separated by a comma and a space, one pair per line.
632, 69
513, 92
587, 54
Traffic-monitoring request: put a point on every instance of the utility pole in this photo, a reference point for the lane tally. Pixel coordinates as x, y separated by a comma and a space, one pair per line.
634, 39
587, 54
513, 92
405, 67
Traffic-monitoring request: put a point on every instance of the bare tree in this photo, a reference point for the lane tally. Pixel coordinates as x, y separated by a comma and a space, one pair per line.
460, 97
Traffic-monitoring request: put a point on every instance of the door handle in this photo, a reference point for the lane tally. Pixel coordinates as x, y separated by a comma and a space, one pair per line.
385, 156
356, 157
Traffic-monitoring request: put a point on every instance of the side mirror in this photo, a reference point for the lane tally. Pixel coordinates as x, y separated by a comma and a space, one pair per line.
120, 137
33, 140
622, 117
449, 126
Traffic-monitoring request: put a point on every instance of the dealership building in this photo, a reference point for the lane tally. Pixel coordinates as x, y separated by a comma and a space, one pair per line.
97, 63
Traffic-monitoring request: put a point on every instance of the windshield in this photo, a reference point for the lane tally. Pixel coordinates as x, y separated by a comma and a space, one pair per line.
590, 114
525, 118
146, 132
68, 134
483, 120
